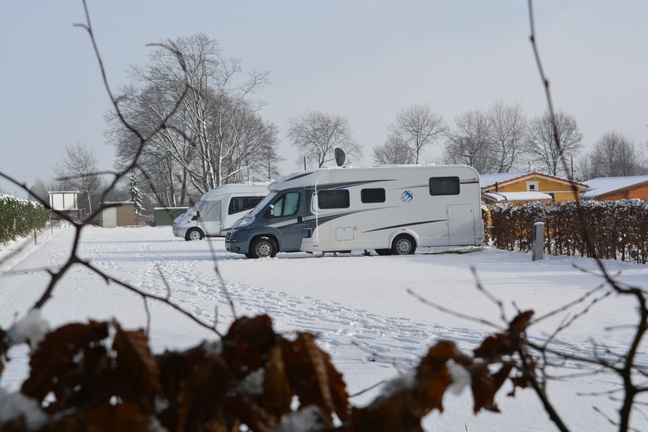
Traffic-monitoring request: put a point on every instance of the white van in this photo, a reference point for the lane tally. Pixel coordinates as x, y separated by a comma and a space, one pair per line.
218, 209
390, 209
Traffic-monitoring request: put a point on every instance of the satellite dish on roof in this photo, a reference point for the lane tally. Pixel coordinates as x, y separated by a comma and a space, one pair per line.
340, 157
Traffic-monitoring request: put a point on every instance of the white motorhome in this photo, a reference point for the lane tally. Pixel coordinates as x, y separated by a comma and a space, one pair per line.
390, 209
218, 209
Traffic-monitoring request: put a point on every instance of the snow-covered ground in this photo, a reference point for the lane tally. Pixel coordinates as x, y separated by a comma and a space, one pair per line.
358, 305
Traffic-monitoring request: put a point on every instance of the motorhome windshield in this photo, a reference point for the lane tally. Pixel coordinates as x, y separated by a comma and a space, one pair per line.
263, 203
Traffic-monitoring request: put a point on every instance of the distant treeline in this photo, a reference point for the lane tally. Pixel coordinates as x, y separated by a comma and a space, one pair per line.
618, 229
20, 217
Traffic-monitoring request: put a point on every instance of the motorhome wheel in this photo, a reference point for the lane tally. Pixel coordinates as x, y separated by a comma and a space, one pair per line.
263, 247
403, 245
194, 234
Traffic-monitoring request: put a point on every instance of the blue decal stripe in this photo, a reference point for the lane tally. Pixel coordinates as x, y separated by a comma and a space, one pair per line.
407, 224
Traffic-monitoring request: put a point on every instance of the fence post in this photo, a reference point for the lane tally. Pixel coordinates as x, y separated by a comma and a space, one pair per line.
538, 241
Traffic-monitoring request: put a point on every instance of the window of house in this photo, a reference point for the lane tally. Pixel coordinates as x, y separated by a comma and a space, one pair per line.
330, 199
532, 186
372, 195
444, 186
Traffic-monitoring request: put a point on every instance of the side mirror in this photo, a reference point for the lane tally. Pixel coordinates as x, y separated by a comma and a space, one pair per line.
270, 212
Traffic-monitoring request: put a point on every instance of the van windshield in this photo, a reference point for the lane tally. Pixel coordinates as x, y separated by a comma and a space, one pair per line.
264, 203
199, 206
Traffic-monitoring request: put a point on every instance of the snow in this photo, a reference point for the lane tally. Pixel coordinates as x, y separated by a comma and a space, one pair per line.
518, 196
15, 405
359, 306
32, 328
605, 185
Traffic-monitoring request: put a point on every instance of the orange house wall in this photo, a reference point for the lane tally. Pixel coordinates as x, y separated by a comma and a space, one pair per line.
639, 192
561, 191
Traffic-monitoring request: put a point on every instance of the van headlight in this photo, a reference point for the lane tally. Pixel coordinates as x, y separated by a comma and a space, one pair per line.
245, 221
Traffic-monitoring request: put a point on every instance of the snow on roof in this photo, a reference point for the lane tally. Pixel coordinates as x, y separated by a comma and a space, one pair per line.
489, 180
605, 185
518, 196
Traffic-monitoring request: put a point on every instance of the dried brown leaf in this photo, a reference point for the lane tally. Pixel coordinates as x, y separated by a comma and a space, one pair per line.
493, 346
277, 394
520, 323
433, 377
247, 343
56, 365
388, 415
136, 375
126, 417
313, 377
485, 385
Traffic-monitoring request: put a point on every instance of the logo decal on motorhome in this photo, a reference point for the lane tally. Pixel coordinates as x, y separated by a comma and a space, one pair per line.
407, 196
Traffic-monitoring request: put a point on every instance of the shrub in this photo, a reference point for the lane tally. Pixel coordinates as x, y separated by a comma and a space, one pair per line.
20, 217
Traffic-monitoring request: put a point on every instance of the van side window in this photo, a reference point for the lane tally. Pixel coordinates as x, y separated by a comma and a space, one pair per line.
287, 205
444, 185
372, 195
239, 204
329, 199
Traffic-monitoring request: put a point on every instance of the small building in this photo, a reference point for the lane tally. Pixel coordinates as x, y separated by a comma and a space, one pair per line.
166, 215
529, 186
117, 214
64, 200
617, 188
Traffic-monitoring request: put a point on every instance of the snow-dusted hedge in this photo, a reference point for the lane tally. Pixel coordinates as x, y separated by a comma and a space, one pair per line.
618, 229
20, 217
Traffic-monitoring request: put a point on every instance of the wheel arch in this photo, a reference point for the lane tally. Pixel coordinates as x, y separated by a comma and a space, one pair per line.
194, 229
405, 231
268, 235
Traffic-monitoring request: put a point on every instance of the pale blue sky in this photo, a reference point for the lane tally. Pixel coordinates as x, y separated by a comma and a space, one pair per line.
364, 59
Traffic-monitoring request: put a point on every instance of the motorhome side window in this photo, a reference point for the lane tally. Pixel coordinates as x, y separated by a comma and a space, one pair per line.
372, 195
287, 205
239, 204
444, 185
330, 199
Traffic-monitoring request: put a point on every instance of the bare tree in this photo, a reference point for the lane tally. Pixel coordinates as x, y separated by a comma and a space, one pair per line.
209, 139
40, 190
508, 128
552, 140
613, 156
468, 142
394, 151
317, 134
78, 170
267, 167
415, 128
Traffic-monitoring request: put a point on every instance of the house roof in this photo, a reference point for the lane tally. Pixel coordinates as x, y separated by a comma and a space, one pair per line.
606, 185
489, 180
517, 196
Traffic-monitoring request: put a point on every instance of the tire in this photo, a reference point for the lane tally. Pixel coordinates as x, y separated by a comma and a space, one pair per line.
384, 251
263, 247
403, 245
194, 234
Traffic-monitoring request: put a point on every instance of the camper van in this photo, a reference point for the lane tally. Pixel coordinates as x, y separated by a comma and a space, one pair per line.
391, 210
218, 209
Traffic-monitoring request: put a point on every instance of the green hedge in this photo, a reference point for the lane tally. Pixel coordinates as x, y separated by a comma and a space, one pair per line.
20, 217
618, 229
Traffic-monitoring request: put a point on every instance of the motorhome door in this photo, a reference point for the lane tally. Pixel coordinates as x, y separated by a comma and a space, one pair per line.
287, 218
210, 218
461, 224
